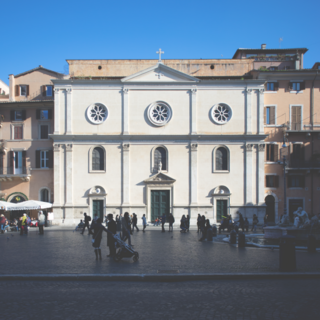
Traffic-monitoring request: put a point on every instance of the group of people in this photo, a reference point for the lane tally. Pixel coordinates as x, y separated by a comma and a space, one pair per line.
240, 223
23, 223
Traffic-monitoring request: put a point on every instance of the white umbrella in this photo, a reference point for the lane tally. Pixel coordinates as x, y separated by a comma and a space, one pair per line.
4, 205
29, 205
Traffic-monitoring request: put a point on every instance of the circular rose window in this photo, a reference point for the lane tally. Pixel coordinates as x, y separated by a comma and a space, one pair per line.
159, 113
221, 113
97, 113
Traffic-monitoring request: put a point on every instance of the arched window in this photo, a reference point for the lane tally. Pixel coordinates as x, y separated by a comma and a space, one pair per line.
221, 159
97, 159
160, 155
44, 195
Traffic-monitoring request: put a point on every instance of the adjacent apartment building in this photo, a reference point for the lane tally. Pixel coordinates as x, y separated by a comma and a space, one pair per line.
26, 158
292, 123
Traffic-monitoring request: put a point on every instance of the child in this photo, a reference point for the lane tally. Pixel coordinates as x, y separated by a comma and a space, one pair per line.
80, 225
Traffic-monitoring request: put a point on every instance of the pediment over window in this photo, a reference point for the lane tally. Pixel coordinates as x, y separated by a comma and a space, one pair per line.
160, 73
97, 191
221, 191
160, 178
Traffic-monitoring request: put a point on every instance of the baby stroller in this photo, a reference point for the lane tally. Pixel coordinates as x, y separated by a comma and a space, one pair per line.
123, 250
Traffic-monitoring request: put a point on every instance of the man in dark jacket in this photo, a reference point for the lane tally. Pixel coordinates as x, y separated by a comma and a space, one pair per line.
112, 227
134, 222
87, 219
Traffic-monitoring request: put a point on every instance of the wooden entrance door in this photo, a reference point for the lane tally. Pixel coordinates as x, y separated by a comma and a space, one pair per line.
97, 208
160, 203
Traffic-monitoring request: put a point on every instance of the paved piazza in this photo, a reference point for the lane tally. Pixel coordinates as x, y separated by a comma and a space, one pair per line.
64, 251
221, 299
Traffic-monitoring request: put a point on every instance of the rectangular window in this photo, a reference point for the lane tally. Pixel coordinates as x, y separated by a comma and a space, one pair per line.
295, 181
44, 114
17, 133
272, 181
49, 91
44, 130
296, 86
18, 115
271, 152
270, 86
23, 91
296, 118
269, 117
297, 156
44, 159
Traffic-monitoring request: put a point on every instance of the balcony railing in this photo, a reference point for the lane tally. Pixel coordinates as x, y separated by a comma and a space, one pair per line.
5, 171
305, 125
300, 164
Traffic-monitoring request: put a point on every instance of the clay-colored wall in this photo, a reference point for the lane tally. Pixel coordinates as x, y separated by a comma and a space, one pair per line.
124, 68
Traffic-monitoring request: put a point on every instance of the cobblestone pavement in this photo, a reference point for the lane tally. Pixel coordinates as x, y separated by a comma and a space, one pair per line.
61, 252
222, 299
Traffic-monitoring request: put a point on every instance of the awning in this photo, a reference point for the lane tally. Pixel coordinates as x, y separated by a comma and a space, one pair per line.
27, 205
4, 205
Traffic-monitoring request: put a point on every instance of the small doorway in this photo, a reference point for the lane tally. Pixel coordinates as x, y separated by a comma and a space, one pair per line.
97, 208
270, 210
222, 209
294, 204
160, 203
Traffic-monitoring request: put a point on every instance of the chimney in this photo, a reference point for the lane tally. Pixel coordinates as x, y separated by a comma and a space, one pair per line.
11, 87
263, 46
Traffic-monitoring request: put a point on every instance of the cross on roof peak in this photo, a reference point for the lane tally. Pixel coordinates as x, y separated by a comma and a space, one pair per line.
159, 53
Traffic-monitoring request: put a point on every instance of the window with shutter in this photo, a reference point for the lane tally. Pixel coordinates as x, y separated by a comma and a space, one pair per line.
272, 181
296, 181
272, 152
44, 159
97, 159
44, 195
17, 133
160, 155
296, 118
221, 159
23, 91
44, 130
269, 115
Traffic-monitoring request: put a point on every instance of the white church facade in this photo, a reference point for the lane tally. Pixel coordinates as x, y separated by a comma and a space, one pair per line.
158, 141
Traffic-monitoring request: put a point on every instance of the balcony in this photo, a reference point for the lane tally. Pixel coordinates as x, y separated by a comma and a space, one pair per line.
296, 164
305, 126
10, 174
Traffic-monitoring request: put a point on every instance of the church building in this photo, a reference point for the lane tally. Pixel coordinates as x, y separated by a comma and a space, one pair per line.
152, 137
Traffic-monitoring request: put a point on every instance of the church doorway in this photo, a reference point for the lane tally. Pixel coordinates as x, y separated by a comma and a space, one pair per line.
270, 210
97, 208
222, 209
160, 203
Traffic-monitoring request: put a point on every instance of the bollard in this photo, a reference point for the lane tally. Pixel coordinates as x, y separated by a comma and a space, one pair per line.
312, 243
214, 231
209, 234
233, 237
241, 240
287, 254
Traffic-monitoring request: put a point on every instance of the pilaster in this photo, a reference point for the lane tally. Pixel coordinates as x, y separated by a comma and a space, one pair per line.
193, 173
56, 111
57, 174
193, 111
69, 111
248, 175
69, 175
248, 115
125, 174
125, 111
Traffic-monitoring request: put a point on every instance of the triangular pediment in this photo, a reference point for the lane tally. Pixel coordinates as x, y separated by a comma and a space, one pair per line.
160, 178
160, 73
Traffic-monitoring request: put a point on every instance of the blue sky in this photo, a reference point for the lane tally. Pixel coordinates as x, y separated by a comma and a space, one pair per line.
47, 33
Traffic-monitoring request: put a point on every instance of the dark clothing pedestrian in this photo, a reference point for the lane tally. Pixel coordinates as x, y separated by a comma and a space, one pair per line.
98, 228
118, 222
171, 222
112, 227
198, 223
87, 219
134, 223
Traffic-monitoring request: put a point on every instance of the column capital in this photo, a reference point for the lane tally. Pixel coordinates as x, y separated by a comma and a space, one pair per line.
125, 147
194, 146
261, 147
194, 90
261, 91
248, 90
125, 90
249, 147
69, 90
68, 147
56, 147
56, 90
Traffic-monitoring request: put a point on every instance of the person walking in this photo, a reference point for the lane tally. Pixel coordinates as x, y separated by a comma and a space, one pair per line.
188, 222
144, 222
98, 228
255, 222
87, 219
41, 221
24, 224
171, 222
2, 222
134, 222
126, 228
112, 227
198, 222
183, 226
163, 221
118, 222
